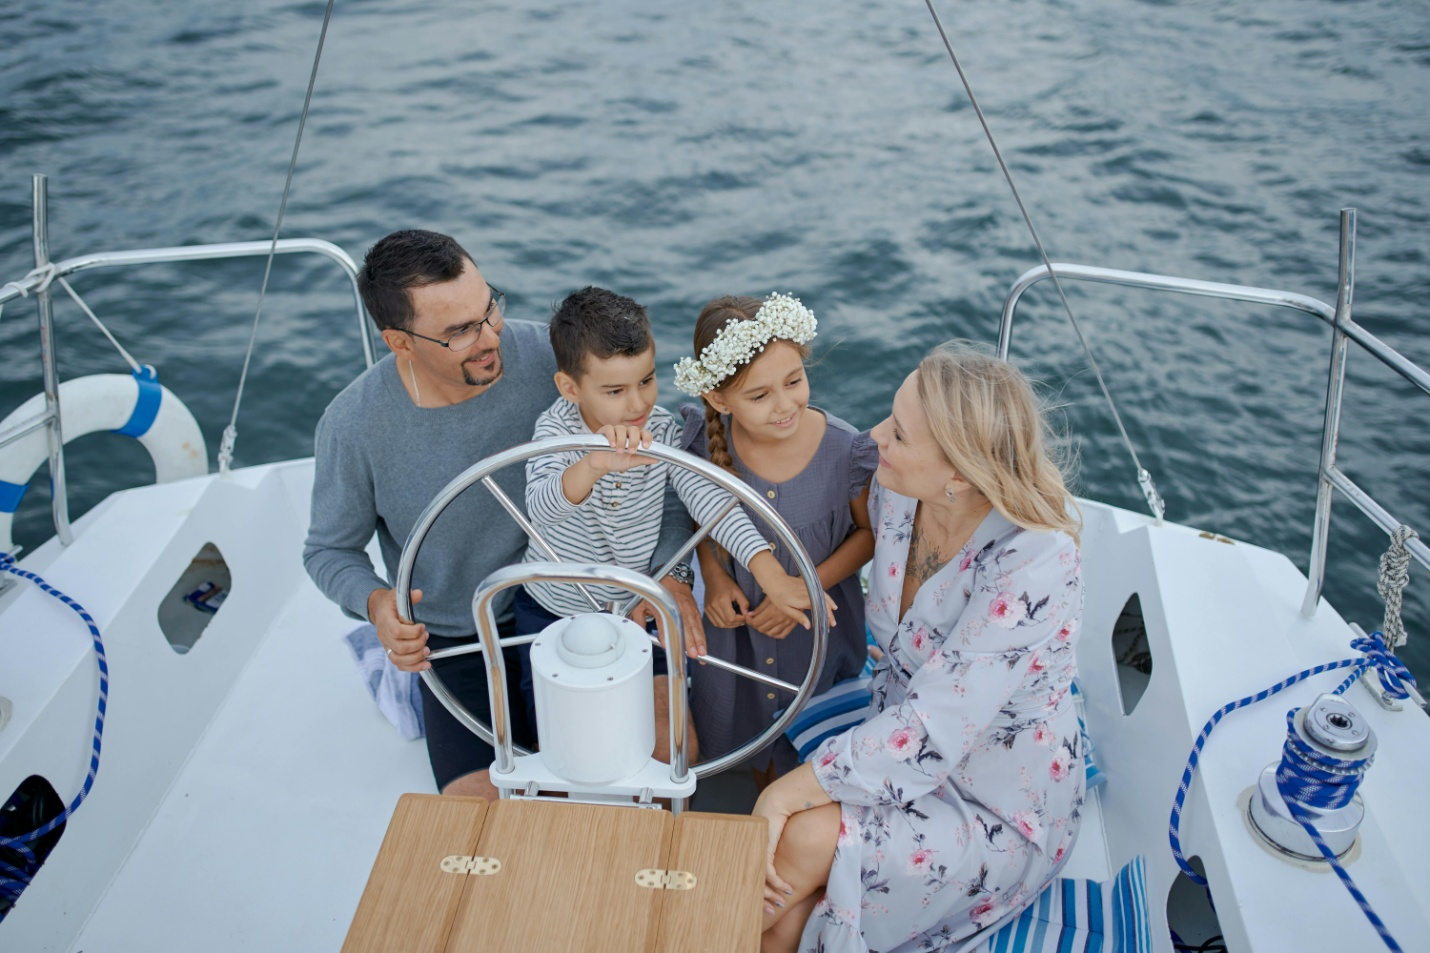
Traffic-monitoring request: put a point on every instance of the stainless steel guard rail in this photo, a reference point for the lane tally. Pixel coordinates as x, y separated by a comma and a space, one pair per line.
38, 281
1343, 329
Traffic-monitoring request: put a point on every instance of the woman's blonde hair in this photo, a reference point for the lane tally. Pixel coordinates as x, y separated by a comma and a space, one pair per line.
991, 428
714, 318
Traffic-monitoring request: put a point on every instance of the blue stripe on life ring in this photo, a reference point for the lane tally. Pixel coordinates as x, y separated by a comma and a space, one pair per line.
146, 408
10, 495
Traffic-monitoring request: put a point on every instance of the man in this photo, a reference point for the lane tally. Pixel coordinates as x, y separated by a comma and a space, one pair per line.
461, 383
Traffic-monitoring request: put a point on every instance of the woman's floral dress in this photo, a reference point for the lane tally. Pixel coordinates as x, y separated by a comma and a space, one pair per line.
962, 788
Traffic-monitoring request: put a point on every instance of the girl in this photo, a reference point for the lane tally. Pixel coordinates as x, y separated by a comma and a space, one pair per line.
814, 469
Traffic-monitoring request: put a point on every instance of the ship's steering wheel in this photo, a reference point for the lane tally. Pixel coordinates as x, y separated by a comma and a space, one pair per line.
741, 492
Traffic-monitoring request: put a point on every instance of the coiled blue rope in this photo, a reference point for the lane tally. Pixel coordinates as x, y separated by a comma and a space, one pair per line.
13, 879
1307, 776
1303, 778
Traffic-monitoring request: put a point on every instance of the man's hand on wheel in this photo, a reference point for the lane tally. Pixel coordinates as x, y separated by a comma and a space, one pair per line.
406, 643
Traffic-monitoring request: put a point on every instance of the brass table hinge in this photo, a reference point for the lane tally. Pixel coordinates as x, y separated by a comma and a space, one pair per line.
665, 879
477, 866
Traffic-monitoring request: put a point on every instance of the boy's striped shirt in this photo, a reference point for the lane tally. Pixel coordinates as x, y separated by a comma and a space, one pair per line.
619, 523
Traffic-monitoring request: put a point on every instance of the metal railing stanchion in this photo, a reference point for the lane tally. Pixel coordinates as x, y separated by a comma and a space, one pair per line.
37, 282
1344, 330
1331, 428
59, 495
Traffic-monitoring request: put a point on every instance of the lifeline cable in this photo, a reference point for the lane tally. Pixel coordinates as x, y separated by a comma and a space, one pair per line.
230, 433
13, 880
1299, 780
1144, 479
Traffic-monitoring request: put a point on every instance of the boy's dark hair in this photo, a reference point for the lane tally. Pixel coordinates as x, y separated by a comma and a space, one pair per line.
597, 322
403, 260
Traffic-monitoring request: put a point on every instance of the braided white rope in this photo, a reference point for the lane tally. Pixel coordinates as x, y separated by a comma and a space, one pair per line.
1394, 574
46, 273
41, 274
24, 292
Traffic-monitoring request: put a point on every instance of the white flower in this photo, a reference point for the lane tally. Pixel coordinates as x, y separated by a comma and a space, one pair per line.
781, 317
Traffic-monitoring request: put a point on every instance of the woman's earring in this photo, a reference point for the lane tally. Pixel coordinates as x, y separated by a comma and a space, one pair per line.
948, 492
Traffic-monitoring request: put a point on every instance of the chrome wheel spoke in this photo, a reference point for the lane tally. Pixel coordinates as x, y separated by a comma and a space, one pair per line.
683, 552
532, 534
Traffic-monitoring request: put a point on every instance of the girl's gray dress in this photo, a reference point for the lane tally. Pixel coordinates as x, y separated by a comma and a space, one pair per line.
730, 709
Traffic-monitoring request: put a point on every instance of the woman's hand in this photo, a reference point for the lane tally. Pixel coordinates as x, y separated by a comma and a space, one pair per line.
770, 808
797, 791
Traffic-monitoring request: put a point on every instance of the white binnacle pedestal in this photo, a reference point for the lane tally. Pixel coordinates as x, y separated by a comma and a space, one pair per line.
594, 698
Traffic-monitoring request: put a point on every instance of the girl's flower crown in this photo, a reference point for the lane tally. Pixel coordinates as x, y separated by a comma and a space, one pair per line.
781, 317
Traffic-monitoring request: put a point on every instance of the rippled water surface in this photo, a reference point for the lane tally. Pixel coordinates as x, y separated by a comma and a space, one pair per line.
679, 151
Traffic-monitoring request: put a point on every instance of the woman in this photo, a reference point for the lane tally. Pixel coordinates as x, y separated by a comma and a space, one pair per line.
956, 799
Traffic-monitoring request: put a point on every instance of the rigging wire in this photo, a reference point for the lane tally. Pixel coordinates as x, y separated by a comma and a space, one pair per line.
128, 358
230, 433
1144, 479
43, 277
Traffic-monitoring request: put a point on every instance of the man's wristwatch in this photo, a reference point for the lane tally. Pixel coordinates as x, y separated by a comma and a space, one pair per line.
683, 574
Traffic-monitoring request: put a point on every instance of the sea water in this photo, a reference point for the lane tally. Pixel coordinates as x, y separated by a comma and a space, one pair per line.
674, 152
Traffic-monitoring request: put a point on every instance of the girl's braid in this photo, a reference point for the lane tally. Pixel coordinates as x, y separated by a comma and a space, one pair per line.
716, 441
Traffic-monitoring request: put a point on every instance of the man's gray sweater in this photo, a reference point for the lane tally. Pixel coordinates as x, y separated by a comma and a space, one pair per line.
380, 460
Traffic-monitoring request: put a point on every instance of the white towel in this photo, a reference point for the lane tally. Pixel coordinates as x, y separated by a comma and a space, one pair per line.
394, 690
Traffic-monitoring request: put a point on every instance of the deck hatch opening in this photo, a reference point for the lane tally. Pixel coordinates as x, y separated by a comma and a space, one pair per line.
1133, 654
1191, 917
195, 599
33, 803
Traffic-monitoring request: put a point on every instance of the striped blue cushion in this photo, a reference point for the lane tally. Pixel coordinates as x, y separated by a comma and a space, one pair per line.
1083, 916
829, 713
1094, 773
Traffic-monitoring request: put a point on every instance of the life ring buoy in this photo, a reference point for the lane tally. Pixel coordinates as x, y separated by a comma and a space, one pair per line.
135, 405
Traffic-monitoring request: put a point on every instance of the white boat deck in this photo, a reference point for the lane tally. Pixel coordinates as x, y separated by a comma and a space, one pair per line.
246, 785
266, 837
273, 772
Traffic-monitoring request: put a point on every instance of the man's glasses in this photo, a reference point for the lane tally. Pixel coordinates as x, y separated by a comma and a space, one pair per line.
467, 336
